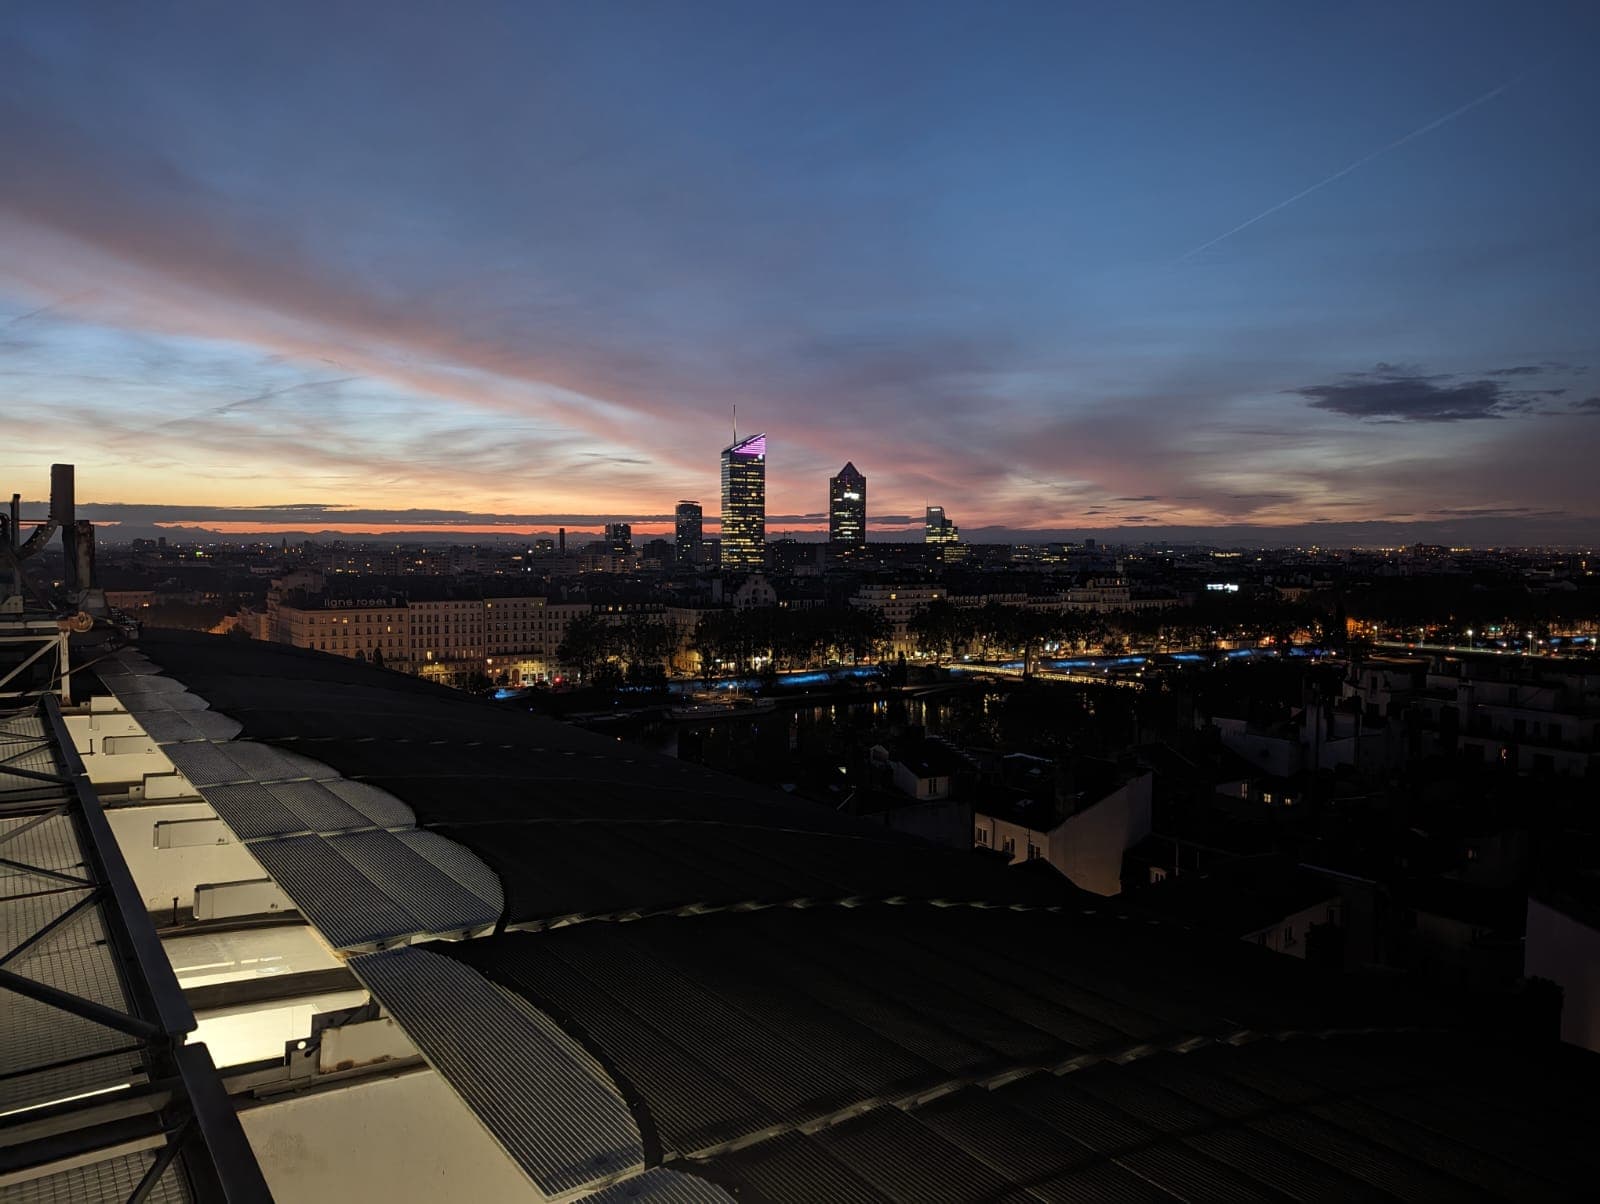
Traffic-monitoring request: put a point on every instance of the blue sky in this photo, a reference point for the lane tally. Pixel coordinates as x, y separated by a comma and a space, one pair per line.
522, 259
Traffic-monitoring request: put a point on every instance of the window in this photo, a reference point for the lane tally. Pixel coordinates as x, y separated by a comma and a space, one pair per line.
1034, 851
983, 836
1288, 935
1011, 845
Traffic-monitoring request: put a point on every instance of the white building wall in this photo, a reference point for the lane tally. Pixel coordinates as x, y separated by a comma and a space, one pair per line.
162, 874
1088, 846
1276, 755
1567, 951
406, 1139
1288, 935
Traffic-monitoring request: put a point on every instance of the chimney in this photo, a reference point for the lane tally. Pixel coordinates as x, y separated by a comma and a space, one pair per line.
85, 547
63, 513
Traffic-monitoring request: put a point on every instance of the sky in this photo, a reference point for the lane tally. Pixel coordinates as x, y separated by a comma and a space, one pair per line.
1281, 271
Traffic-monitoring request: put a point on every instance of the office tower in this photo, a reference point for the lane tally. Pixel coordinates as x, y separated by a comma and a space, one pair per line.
939, 529
619, 537
744, 503
847, 508
690, 534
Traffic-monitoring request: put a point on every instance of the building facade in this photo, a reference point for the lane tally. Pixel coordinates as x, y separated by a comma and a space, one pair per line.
744, 503
619, 537
689, 532
937, 527
847, 508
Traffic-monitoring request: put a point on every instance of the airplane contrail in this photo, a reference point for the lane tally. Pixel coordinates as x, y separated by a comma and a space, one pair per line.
1350, 167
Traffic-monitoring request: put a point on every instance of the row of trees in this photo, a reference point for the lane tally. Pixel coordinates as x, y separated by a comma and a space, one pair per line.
792, 639
942, 629
640, 647
634, 650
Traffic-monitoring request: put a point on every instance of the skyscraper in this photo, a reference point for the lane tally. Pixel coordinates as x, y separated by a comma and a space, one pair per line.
744, 503
847, 508
690, 534
939, 529
619, 536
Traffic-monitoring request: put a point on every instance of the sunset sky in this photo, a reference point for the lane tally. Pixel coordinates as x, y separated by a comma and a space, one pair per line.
1057, 267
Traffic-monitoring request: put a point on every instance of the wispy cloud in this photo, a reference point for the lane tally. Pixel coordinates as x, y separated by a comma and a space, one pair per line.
1353, 165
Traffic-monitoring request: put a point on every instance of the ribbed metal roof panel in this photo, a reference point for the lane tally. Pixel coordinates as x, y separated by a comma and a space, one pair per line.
440, 903
346, 906
1049, 1098
1183, 1174
317, 807
456, 860
1278, 1166
1024, 1148
251, 811
264, 763
693, 1104
909, 1163
206, 765
381, 807
796, 1085
169, 727
134, 684
1107, 1183
1399, 1177
791, 1169
140, 704
527, 1081
848, 1044
661, 1186
166, 726
1449, 1155
131, 660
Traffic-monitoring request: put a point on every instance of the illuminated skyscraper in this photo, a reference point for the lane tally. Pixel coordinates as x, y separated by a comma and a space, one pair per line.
619, 537
847, 508
744, 503
691, 544
939, 529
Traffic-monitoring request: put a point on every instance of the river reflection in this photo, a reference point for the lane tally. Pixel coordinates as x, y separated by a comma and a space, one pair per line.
801, 740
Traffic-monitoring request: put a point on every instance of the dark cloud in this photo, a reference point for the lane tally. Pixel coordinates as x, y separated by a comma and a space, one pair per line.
1495, 512
1396, 394
1147, 497
1519, 370
1589, 405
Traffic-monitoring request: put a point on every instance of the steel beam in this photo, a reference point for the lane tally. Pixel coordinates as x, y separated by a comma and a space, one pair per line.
221, 1164
151, 981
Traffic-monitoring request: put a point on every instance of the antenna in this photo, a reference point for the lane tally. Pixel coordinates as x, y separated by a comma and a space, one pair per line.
736, 422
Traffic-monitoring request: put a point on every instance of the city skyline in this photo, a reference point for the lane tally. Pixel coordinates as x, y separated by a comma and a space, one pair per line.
1165, 272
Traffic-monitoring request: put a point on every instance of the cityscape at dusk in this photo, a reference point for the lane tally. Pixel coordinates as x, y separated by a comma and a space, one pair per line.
1160, 266
731, 603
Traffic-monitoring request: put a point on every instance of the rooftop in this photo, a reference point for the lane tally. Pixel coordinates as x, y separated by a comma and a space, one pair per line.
652, 982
